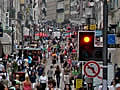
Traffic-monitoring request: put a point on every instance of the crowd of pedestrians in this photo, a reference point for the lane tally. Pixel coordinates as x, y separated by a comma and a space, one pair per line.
53, 67
39, 70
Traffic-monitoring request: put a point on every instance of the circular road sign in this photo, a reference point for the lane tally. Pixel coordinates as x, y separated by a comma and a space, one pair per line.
91, 69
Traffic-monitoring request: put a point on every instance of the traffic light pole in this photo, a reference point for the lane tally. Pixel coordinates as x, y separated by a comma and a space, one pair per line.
105, 52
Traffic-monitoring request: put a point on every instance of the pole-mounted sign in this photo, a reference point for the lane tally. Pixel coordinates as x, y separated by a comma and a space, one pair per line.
91, 69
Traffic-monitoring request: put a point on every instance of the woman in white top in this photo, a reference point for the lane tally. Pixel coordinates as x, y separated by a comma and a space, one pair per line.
43, 81
112, 86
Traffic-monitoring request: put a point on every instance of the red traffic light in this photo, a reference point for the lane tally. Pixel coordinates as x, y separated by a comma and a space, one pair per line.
86, 39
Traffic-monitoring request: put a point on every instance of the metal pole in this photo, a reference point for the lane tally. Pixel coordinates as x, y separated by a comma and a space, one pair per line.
22, 41
12, 39
105, 27
34, 28
29, 34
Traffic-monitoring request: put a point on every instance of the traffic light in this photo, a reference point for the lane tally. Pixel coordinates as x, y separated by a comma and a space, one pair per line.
87, 51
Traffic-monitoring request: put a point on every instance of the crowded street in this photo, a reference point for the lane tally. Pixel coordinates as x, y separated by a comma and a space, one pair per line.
59, 44
51, 64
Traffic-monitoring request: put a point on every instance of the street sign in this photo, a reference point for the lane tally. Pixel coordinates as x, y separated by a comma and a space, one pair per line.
113, 45
92, 27
79, 83
98, 42
98, 33
91, 69
111, 39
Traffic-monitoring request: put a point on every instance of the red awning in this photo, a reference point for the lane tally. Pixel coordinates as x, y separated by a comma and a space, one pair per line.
41, 34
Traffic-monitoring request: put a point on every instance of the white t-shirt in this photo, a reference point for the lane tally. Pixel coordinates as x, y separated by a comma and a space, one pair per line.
111, 87
100, 87
66, 79
43, 79
117, 85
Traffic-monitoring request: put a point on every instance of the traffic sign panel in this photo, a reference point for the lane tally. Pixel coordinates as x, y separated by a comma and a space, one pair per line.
93, 27
91, 69
111, 39
79, 83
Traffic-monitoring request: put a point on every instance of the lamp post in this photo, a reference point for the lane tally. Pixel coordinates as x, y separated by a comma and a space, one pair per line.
89, 15
34, 29
105, 51
12, 36
29, 32
22, 24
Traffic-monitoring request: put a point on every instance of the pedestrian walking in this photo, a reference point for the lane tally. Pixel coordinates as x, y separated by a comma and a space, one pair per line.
57, 74
4, 80
43, 81
38, 86
50, 73
18, 82
61, 58
27, 83
40, 70
51, 85
33, 79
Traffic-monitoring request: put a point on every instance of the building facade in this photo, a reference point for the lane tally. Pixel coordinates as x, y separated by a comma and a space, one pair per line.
60, 11
51, 10
67, 10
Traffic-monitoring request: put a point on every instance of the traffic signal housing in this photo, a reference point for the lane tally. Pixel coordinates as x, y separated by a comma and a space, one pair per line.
87, 51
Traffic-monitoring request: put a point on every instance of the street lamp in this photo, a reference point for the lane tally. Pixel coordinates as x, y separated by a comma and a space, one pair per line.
29, 32
34, 29
39, 28
12, 22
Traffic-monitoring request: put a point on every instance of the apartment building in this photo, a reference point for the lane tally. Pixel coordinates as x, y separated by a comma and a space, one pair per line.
51, 10
75, 6
60, 11
67, 9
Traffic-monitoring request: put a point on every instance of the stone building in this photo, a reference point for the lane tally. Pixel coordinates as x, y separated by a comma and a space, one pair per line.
51, 10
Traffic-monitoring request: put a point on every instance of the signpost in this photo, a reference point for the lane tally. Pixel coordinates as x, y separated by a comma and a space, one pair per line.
111, 39
98, 42
92, 27
79, 83
91, 69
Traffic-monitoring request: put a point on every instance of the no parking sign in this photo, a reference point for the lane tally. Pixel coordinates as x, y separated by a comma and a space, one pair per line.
91, 69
